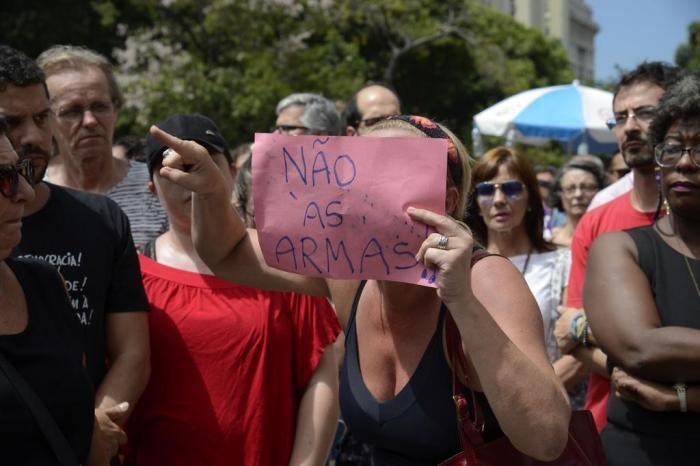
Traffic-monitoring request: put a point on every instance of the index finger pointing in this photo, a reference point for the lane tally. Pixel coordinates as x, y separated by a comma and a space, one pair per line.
190, 151
441, 223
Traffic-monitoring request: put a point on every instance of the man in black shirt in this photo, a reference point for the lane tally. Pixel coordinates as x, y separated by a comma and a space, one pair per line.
87, 238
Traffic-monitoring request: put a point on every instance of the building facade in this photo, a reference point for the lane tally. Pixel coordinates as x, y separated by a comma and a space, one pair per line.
570, 21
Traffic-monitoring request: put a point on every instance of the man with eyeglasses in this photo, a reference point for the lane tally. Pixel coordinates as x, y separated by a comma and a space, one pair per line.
634, 101
86, 237
85, 102
306, 113
370, 105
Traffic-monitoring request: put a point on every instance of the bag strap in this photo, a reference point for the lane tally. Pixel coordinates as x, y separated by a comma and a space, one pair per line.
469, 431
57, 441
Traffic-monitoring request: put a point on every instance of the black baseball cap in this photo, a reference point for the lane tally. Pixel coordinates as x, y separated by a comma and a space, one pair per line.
192, 127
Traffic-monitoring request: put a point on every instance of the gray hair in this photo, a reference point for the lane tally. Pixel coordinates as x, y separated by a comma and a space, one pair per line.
320, 114
71, 57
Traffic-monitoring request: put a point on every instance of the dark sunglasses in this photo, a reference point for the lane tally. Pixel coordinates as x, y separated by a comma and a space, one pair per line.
9, 177
510, 189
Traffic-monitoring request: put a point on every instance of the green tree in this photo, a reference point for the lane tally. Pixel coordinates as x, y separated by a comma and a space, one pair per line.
234, 59
688, 54
34, 25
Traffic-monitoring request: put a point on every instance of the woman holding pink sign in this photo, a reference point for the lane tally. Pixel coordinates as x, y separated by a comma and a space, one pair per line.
396, 382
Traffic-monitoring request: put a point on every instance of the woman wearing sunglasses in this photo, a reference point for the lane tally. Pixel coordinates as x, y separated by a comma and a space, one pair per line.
506, 214
396, 383
642, 297
39, 339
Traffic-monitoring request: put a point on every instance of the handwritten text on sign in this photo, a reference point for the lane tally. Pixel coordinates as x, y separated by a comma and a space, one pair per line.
335, 206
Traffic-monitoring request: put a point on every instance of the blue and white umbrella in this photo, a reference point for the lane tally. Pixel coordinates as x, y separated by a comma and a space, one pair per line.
572, 114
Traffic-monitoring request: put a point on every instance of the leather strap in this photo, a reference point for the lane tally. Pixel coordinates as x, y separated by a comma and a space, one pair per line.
57, 441
469, 431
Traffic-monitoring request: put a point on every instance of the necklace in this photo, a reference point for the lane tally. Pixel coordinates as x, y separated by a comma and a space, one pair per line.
692, 275
527, 262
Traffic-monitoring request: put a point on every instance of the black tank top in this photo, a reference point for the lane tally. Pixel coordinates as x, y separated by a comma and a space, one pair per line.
678, 304
419, 425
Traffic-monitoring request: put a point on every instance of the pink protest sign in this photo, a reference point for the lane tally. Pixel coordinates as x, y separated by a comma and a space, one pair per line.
335, 206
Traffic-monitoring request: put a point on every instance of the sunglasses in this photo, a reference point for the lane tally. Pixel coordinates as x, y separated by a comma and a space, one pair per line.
511, 189
9, 177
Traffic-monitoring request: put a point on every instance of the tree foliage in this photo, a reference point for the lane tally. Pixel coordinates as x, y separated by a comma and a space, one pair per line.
688, 54
234, 59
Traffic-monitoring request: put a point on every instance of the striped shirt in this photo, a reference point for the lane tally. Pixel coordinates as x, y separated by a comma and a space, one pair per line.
147, 217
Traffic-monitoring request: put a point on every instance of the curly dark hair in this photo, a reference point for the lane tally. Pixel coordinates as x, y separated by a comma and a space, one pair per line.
19, 70
680, 102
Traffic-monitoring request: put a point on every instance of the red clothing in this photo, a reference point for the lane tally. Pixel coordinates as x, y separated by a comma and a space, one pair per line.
615, 215
229, 367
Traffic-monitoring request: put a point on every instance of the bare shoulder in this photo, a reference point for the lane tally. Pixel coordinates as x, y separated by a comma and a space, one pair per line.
495, 277
613, 243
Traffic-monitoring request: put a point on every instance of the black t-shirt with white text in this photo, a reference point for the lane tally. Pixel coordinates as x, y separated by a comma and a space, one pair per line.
87, 238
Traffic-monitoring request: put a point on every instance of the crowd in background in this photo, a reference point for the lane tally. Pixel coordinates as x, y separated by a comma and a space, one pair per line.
570, 287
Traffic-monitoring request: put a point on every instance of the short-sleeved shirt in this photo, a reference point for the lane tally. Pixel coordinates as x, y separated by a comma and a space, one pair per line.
86, 237
229, 367
47, 354
615, 215
147, 217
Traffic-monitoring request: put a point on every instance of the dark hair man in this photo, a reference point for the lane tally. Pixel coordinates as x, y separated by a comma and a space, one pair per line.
86, 236
372, 103
634, 103
85, 101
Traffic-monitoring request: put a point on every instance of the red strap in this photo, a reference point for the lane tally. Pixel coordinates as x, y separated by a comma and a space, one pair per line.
469, 433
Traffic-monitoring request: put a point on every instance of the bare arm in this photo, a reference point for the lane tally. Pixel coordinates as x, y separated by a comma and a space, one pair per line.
218, 232
129, 354
501, 330
570, 371
622, 312
651, 395
318, 414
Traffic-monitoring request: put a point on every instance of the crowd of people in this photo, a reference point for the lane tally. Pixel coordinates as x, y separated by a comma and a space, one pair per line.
141, 325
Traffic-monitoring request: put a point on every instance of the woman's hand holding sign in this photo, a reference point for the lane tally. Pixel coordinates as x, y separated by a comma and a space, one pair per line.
449, 251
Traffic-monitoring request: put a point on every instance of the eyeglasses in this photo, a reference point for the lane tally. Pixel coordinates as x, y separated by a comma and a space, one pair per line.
585, 188
9, 177
367, 122
511, 189
544, 184
642, 114
76, 112
286, 129
668, 155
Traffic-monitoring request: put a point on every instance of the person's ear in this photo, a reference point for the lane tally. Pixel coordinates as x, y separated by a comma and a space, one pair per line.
350, 131
152, 188
451, 200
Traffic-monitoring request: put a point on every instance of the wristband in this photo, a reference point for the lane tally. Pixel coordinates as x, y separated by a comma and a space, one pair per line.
576, 328
681, 391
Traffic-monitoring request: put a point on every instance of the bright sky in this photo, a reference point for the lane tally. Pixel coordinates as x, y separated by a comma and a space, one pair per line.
634, 30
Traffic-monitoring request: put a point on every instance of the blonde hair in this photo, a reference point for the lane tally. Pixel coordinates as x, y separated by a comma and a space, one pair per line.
71, 57
465, 161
